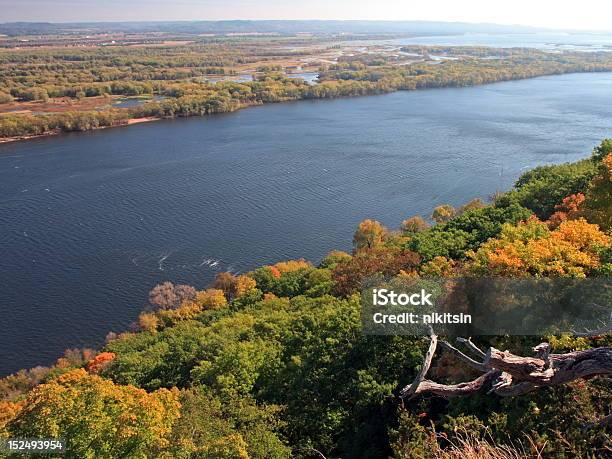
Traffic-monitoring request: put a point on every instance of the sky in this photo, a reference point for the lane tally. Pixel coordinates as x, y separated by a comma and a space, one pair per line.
560, 14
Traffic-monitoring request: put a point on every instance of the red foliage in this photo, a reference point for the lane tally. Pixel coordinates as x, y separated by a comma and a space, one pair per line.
350, 275
100, 362
567, 210
275, 271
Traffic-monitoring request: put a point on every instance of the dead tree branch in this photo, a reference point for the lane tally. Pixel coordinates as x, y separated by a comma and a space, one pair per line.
468, 360
603, 330
508, 375
471, 346
411, 390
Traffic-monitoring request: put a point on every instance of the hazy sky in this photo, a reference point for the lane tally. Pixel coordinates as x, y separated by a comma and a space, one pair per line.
583, 14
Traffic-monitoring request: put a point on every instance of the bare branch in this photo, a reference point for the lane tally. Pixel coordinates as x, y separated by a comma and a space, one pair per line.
542, 350
521, 368
410, 391
502, 381
471, 362
604, 330
456, 390
470, 345
319, 453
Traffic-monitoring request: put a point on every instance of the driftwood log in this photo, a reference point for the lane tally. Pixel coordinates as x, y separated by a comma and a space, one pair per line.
506, 374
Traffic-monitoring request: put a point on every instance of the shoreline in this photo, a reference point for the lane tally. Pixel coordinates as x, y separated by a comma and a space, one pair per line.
129, 122
139, 120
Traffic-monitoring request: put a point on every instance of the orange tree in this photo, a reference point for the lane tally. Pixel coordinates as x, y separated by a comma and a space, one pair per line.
531, 248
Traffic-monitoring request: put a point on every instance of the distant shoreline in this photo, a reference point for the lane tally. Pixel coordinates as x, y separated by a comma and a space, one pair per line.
141, 119
58, 131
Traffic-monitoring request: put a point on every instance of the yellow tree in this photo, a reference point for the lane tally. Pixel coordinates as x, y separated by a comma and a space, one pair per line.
211, 299
229, 447
443, 213
438, 267
97, 417
234, 286
8, 411
531, 248
244, 284
369, 234
414, 224
290, 266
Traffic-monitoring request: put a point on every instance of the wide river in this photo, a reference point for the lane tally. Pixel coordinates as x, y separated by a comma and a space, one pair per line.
91, 221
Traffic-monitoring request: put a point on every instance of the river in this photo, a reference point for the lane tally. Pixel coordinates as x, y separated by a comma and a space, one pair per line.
545, 41
91, 221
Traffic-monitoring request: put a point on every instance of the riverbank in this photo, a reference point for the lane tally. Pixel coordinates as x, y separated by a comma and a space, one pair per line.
187, 98
146, 119
57, 131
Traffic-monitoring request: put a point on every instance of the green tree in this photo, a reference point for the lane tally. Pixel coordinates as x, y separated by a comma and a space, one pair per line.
597, 207
214, 428
542, 188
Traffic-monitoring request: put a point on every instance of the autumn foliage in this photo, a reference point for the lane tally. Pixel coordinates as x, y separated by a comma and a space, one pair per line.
100, 362
369, 234
8, 411
568, 209
531, 248
438, 267
211, 298
292, 265
102, 418
443, 213
275, 272
188, 310
233, 286
414, 225
349, 276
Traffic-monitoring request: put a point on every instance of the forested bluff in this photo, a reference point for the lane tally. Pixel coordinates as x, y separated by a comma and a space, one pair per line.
175, 74
274, 364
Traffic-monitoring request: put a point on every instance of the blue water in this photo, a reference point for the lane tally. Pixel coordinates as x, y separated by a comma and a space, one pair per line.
546, 41
91, 221
308, 77
130, 102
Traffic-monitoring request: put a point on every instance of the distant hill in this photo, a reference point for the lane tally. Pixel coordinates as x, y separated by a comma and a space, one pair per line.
280, 27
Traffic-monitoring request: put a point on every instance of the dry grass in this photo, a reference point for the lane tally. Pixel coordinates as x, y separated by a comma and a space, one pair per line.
467, 445
59, 104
